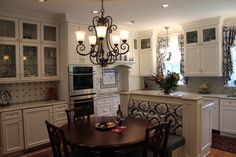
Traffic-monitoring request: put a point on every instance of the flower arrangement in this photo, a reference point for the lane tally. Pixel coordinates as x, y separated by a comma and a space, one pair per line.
168, 82
203, 88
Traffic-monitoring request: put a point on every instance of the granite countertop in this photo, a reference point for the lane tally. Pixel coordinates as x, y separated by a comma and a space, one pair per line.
178, 94
30, 105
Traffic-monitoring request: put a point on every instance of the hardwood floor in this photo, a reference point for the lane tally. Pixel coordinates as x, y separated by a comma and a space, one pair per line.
214, 153
220, 153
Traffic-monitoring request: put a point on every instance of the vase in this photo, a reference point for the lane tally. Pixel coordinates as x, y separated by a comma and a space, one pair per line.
166, 91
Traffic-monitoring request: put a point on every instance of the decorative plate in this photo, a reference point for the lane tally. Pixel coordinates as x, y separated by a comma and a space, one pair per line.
105, 125
5, 97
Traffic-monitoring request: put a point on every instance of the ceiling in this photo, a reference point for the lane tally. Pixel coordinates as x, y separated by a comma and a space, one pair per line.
147, 14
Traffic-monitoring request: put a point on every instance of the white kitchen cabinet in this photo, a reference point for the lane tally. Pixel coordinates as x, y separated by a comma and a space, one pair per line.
24, 55
35, 131
215, 111
50, 62
59, 114
12, 131
30, 61
147, 53
206, 126
49, 33
29, 31
9, 28
74, 57
9, 61
203, 48
227, 116
107, 106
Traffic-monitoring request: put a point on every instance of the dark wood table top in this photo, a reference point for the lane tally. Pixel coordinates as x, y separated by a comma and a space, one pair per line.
86, 135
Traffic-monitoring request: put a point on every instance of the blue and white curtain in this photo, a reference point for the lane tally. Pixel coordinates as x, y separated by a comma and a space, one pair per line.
161, 42
181, 49
228, 41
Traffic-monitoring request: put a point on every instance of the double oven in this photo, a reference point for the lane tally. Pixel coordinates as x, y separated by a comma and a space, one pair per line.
82, 87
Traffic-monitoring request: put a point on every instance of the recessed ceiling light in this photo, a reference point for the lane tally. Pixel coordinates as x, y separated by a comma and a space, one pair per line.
41, 1
131, 22
165, 6
95, 11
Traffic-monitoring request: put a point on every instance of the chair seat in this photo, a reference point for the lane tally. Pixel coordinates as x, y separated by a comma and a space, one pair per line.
174, 142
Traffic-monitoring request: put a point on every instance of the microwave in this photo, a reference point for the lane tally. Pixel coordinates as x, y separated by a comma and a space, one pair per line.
81, 80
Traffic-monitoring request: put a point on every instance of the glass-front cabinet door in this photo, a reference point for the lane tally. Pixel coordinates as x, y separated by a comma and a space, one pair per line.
29, 31
209, 35
49, 33
9, 57
30, 63
8, 28
50, 61
192, 37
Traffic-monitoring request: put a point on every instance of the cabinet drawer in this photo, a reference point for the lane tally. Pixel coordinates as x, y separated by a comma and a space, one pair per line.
116, 100
60, 116
60, 123
104, 101
228, 102
58, 108
11, 115
104, 110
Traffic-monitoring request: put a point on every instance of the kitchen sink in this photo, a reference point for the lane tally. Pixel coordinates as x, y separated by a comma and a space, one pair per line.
232, 95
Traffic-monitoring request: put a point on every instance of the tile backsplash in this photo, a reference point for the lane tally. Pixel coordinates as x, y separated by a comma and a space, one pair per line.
216, 85
27, 92
107, 90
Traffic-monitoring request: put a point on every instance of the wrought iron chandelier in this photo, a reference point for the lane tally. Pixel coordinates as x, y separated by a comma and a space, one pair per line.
103, 51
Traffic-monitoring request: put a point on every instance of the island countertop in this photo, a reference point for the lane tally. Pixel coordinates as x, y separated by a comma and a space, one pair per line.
177, 94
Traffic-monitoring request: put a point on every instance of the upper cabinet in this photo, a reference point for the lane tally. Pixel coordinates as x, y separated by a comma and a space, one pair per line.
50, 62
50, 33
30, 54
147, 52
203, 47
8, 28
29, 31
9, 61
74, 57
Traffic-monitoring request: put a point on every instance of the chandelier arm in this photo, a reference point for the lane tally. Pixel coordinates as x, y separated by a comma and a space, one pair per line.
125, 47
80, 48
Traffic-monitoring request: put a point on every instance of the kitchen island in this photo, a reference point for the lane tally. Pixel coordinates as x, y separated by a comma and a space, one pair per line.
194, 117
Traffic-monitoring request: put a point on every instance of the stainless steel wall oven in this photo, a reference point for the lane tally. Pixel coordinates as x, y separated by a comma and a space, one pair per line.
81, 80
82, 87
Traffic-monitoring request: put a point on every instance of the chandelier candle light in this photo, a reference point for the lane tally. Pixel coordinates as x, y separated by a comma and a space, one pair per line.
103, 51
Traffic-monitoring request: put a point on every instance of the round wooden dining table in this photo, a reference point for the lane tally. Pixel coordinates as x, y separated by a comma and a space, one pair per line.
84, 135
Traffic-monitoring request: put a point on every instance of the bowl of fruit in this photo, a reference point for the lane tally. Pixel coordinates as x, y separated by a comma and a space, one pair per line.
104, 125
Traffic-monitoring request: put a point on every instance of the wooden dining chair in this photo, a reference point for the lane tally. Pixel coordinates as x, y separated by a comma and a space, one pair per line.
156, 140
57, 138
77, 114
59, 145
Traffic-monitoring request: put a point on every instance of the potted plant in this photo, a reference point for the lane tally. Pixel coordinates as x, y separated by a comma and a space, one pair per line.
168, 82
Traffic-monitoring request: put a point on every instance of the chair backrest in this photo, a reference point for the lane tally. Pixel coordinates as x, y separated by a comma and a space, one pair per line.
77, 114
156, 139
57, 139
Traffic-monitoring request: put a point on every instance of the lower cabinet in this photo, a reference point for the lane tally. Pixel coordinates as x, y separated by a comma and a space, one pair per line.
215, 112
35, 131
227, 116
12, 132
206, 127
25, 128
107, 106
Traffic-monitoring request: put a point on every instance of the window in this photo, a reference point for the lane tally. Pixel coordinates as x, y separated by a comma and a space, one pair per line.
232, 82
173, 64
